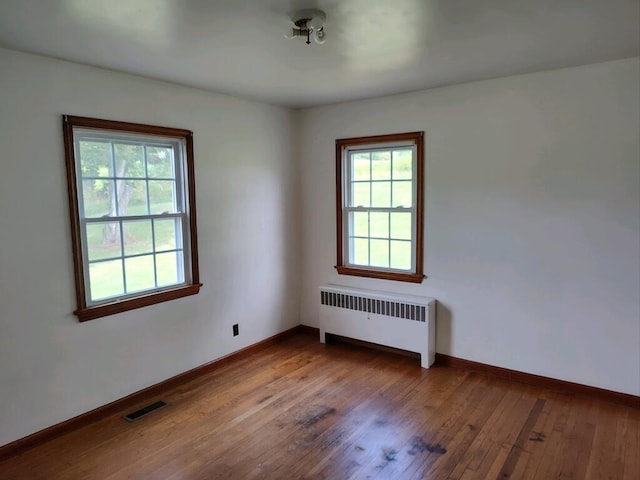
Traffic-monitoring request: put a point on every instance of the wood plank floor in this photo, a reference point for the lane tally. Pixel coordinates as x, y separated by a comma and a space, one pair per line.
302, 410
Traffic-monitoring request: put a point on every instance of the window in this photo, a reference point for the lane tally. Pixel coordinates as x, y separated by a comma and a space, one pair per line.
379, 206
133, 217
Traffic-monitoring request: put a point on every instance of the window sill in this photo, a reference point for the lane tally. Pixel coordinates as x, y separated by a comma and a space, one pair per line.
400, 277
105, 309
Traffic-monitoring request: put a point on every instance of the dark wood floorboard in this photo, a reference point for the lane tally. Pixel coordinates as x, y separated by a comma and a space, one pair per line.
303, 410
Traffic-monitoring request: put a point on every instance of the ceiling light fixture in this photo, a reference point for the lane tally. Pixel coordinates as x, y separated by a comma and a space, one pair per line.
308, 23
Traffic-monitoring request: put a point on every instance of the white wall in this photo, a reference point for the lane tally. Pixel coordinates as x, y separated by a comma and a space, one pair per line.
532, 228
52, 367
532, 242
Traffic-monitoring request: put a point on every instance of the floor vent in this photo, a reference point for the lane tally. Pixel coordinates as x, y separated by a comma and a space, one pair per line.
133, 416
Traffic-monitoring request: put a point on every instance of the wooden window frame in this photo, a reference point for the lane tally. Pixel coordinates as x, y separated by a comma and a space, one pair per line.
84, 310
342, 266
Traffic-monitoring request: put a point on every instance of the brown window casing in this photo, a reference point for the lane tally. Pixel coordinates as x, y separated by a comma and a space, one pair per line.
88, 312
415, 276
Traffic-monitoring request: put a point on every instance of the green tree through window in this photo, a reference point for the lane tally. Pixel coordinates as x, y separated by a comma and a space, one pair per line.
132, 200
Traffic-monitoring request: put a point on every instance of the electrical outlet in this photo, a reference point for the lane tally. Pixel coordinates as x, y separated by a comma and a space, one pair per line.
236, 330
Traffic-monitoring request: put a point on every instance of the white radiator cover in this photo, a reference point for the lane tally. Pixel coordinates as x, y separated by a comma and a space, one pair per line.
400, 321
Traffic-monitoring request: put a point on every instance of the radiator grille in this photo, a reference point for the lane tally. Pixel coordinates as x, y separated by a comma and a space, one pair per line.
374, 305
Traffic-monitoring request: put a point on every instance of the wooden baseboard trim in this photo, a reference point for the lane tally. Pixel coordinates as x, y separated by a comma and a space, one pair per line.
18, 446
512, 375
307, 330
540, 381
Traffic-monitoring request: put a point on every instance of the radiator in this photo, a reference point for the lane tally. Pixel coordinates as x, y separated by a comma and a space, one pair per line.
398, 321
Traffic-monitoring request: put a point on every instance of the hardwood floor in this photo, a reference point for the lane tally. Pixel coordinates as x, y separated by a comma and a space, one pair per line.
302, 410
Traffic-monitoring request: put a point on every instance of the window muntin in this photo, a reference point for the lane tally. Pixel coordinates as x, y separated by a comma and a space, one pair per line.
134, 181
380, 206
133, 214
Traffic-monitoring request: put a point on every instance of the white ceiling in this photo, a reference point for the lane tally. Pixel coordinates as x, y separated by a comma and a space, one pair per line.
374, 47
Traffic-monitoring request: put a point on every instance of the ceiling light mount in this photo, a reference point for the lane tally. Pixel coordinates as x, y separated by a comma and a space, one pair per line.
308, 23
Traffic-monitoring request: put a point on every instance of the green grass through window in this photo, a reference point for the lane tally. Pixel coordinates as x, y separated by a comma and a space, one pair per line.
106, 277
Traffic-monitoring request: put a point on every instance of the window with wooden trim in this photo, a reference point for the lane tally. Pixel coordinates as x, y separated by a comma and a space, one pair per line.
379, 184
133, 214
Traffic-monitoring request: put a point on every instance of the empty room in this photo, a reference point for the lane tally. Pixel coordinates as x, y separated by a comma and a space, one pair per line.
319, 239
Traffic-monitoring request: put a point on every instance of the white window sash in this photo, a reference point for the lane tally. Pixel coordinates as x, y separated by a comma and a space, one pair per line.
347, 228
182, 236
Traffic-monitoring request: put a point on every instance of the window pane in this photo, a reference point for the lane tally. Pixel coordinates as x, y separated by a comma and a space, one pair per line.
134, 198
380, 224
381, 194
95, 159
161, 195
139, 273
360, 222
402, 164
360, 251
165, 233
96, 197
103, 240
379, 253
111, 232
129, 160
381, 165
169, 268
360, 194
160, 162
137, 237
361, 166
105, 279
401, 225
401, 255
403, 194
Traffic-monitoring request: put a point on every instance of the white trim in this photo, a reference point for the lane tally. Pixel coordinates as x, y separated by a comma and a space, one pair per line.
347, 208
178, 161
